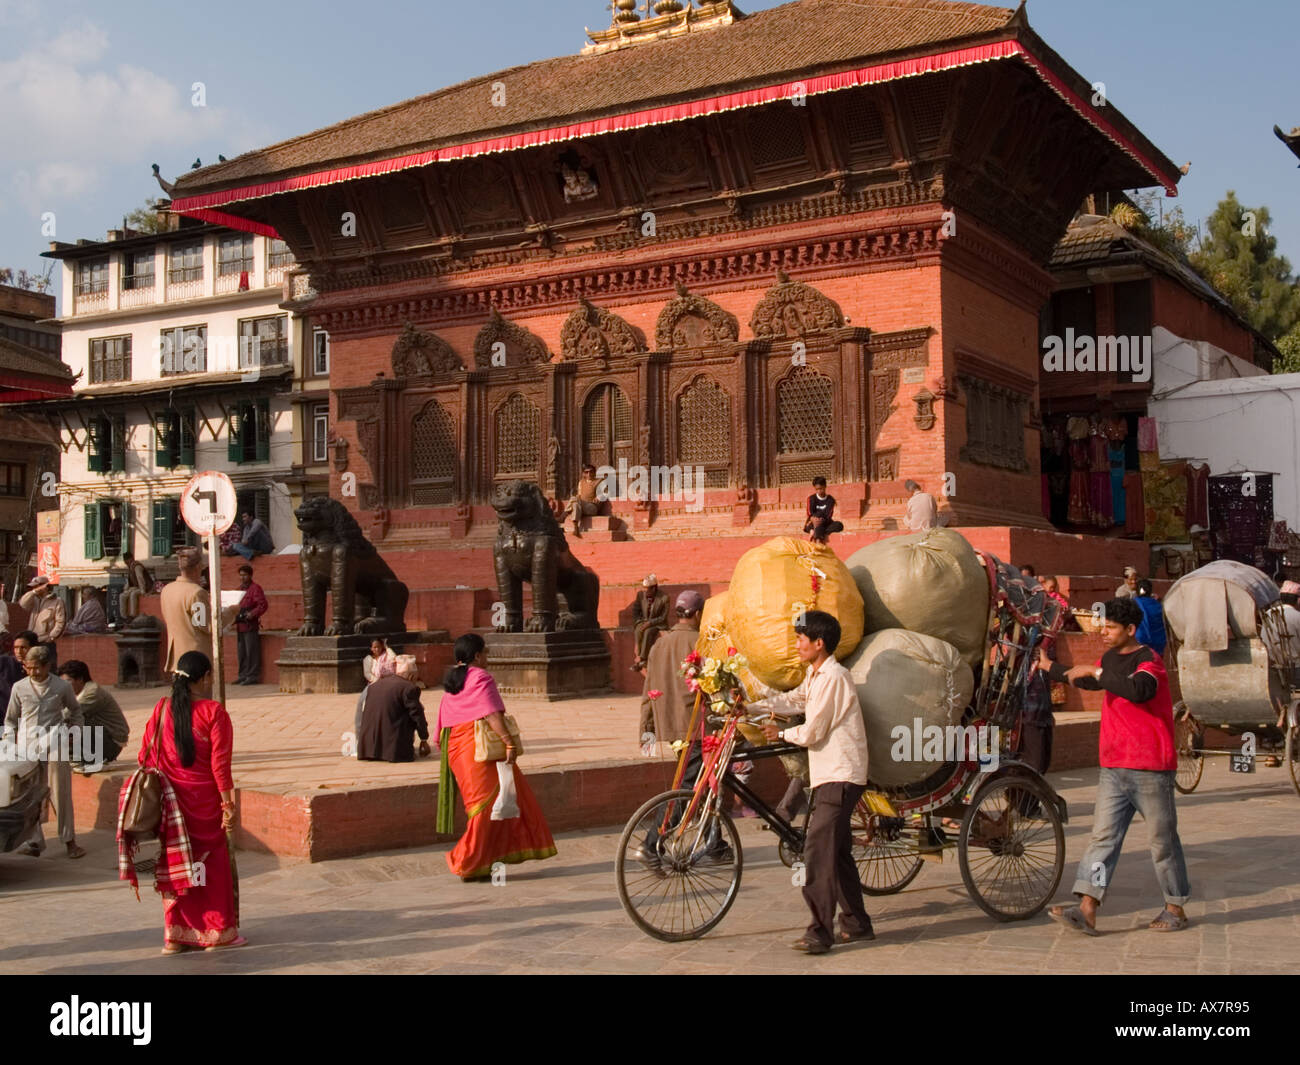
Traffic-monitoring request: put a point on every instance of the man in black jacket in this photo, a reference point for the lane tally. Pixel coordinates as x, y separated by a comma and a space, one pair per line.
820, 510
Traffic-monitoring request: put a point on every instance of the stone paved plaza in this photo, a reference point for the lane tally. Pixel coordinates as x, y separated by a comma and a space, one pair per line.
403, 912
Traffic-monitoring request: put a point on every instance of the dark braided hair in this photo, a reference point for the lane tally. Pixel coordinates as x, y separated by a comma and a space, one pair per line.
192, 668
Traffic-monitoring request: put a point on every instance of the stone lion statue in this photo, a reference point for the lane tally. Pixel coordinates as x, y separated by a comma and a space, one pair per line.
336, 557
530, 546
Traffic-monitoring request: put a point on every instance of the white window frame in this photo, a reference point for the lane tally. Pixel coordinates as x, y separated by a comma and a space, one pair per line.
320, 417
320, 346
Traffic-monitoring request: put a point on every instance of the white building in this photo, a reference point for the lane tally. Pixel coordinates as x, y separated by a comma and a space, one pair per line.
185, 361
1211, 407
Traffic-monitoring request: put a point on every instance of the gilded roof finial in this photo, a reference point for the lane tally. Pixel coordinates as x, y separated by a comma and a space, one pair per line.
625, 11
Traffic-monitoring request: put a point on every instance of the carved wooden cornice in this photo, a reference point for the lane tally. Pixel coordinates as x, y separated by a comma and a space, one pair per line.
995, 373
794, 309
520, 347
828, 257
716, 326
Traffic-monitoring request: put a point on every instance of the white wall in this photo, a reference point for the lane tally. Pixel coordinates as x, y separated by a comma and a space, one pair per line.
1238, 424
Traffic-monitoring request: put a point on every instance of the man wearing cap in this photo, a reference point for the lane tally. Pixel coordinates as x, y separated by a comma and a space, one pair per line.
185, 610
650, 616
1128, 589
1284, 646
668, 715
46, 616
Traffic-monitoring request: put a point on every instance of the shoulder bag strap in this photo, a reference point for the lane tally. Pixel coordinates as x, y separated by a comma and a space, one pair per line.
157, 733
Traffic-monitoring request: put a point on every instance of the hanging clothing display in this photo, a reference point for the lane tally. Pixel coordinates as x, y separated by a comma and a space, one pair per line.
1079, 511
1119, 509
1240, 522
1198, 495
1134, 513
1147, 434
1164, 491
1099, 493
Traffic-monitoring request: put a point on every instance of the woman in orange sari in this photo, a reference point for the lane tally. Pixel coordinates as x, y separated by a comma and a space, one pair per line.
470, 695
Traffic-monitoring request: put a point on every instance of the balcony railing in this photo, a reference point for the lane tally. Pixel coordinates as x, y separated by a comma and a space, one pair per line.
229, 283
184, 290
90, 301
138, 297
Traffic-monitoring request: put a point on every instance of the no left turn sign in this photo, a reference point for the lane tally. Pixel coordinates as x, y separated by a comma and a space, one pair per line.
208, 503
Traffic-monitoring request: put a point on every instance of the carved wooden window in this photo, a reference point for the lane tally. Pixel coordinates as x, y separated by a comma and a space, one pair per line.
516, 435
606, 427
776, 137
704, 431
927, 100
805, 416
995, 425
865, 129
433, 457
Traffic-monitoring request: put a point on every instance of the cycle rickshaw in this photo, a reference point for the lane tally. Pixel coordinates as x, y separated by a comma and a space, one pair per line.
680, 859
1237, 667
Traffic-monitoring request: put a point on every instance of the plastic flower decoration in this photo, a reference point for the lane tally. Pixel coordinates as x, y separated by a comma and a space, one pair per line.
717, 678
654, 693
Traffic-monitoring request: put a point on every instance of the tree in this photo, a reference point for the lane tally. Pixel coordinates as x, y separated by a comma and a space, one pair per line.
1239, 258
146, 219
1289, 346
22, 279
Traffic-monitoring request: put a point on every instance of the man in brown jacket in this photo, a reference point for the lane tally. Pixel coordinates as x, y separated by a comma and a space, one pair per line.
186, 610
47, 617
668, 715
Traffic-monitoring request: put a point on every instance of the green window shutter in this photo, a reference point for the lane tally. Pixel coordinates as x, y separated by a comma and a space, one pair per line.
191, 537
188, 430
128, 529
234, 446
161, 528
96, 446
92, 525
162, 431
263, 430
118, 437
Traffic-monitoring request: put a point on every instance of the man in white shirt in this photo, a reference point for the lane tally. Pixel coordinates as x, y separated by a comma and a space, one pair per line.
922, 511
835, 734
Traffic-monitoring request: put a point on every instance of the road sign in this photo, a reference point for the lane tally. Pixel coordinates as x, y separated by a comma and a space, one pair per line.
208, 503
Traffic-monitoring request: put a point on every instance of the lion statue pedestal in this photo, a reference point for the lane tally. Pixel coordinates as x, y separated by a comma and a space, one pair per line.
560, 651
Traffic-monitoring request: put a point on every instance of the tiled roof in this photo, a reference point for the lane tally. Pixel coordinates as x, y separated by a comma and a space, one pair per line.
17, 358
781, 42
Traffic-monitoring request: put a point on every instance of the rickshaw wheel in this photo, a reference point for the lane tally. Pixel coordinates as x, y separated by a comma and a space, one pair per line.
1293, 755
674, 888
885, 866
1012, 847
1187, 735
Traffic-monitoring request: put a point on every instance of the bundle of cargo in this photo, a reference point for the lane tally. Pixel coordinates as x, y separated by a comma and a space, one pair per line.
929, 582
771, 586
916, 683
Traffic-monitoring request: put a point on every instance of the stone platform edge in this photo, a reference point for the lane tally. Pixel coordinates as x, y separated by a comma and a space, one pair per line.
321, 824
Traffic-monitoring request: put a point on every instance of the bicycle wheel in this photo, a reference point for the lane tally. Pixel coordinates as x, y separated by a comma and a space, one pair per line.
1012, 847
676, 885
886, 855
1187, 737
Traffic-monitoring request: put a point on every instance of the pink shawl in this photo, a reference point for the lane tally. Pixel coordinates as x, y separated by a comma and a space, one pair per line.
477, 699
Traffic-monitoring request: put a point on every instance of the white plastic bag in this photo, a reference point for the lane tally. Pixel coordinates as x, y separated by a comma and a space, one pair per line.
507, 804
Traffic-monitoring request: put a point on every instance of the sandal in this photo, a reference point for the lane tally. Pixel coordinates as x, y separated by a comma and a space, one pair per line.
1168, 922
1072, 917
31, 850
177, 948
809, 946
854, 937
76, 852
238, 941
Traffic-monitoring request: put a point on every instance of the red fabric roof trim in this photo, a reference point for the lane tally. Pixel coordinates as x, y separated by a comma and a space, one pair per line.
199, 206
220, 218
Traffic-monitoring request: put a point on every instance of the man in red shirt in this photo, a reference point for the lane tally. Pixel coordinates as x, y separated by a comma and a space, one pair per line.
249, 638
1138, 764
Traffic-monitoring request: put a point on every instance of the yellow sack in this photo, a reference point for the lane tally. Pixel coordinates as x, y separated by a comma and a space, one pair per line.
714, 643
771, 584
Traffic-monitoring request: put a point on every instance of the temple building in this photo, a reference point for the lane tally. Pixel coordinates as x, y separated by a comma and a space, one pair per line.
809, 241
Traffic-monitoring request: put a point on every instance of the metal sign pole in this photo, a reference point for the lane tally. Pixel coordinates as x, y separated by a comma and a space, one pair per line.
215, 619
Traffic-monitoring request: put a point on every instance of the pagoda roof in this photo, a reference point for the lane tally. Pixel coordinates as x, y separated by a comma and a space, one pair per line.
809, 46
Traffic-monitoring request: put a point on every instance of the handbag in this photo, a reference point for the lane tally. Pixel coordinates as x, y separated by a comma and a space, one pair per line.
142, 808
487, 744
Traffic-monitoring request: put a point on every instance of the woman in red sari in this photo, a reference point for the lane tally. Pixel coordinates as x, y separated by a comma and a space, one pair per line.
194, 755
470, 695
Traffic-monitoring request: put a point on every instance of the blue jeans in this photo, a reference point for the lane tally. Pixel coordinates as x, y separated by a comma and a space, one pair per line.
240, 549
1120, 794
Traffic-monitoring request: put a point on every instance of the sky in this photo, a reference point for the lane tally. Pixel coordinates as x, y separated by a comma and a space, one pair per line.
94, 93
